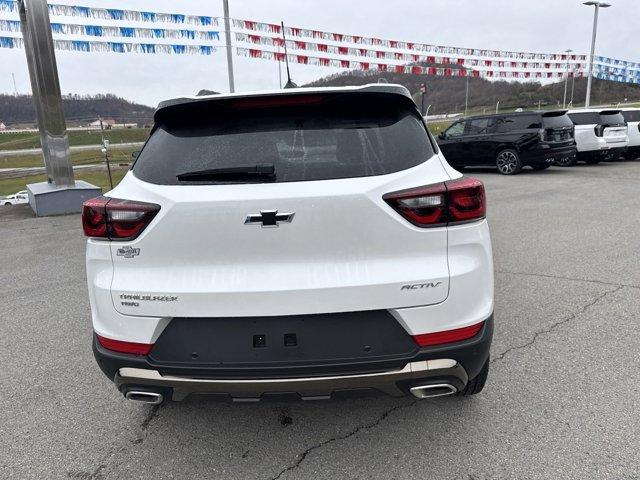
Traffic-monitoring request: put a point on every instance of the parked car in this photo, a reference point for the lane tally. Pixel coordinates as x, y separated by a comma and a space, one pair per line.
600, 134
15, 199
510, 141
632, 117
225, 262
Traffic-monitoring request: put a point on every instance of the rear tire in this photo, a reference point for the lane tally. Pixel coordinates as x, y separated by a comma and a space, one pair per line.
7, 203
508, 162
566, 162
540, 167
475, 385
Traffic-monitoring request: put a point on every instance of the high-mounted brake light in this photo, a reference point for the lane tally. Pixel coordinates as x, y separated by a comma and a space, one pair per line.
116, 219
125, 347
448, 336
449, 203
277, 101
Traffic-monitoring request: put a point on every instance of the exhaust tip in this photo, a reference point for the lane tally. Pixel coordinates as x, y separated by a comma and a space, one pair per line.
433, 390
152, 398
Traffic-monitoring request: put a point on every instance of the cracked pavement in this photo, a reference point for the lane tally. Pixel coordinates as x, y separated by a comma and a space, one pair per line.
561, 402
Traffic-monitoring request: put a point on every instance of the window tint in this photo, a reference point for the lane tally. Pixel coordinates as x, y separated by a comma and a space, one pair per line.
522, 122
455, 130
477, 126
585, 118
556, 121
631, 115
611, 119
352, 136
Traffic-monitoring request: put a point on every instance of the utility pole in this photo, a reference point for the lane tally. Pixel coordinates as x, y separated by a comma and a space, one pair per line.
227, 37
105, 150
566, 78
466, 96
598, 6
423, 91
15, 88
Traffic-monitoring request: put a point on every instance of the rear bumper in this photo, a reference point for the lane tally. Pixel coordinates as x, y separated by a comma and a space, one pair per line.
547, 154
453, 364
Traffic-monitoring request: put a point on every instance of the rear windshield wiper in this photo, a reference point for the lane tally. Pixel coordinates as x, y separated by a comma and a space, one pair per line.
267, 171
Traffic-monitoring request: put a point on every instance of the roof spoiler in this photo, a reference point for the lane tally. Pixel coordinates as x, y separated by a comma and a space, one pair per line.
554, 113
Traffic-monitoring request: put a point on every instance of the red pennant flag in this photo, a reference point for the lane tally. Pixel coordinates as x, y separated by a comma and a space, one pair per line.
322, 47
302, 59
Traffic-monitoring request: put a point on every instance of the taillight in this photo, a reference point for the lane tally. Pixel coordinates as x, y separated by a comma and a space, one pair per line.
449, 203
599, 130
116, 219
448, 336
125, 347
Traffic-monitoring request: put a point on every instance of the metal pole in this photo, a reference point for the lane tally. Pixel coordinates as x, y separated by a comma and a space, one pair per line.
566, 79
105, 150
15, 88
466, 96
426, 115
279, 69
227, 37
587, 100
497, 106
45, 86
573, 84
422, 104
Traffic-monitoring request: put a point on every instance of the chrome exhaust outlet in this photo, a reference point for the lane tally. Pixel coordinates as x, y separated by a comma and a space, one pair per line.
433, 390
152, 398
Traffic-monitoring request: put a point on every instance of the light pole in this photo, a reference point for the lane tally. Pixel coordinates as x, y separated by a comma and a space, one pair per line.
598, 6
466, 95
497, 106
566, 78
227, 39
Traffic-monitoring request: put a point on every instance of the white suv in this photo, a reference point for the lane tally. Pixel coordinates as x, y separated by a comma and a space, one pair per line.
600, 134
305, 241
632, 117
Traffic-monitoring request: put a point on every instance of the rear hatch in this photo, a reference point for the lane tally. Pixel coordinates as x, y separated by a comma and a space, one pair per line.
273, 206
558, 128
613, 127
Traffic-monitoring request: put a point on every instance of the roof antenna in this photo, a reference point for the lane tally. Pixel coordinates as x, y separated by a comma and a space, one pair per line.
290, 83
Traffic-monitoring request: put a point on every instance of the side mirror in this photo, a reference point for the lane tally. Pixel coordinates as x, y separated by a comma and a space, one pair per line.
135, 155
442, 135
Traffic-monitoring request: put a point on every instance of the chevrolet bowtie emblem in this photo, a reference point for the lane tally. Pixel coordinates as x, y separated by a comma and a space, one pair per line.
268, 218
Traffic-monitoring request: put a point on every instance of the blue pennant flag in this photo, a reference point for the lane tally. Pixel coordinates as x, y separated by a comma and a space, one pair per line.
81, 12
81, 46
57, 28
127, 32
158, 32
206, 50
148, 48
93, 30
116, 47
115, 14
177, 18
148, 16
8, 5
179, 48
205, 20
188, 34
6, 42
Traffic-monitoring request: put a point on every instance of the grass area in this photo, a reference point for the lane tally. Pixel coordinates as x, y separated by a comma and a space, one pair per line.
101, 179
436, 127
119, 155
18, 141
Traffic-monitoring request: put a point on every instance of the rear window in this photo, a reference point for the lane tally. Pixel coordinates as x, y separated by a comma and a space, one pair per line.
631, 115
340, 137
520, 122
556, 121
612, 118
585, 118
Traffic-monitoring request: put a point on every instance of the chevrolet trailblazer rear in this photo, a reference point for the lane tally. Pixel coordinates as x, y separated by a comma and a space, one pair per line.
302, 242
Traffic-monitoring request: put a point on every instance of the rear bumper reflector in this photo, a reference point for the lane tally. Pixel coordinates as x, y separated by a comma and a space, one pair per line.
448, 336
125, 347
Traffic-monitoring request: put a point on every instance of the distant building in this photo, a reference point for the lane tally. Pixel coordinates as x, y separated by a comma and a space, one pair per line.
2, 126
106, 122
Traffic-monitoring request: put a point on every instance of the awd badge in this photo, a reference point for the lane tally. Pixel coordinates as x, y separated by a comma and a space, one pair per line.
128, 252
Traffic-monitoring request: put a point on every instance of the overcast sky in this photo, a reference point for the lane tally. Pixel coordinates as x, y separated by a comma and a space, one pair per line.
524, 25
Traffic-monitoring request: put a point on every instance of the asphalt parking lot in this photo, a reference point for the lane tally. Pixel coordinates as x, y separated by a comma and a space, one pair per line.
562, 399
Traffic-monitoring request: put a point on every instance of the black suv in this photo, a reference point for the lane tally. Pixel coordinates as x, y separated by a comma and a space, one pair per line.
510, 141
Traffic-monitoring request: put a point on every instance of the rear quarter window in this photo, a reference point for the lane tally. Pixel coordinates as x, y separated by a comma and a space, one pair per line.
520, 122
611, 119
346, 136
585, 118
556, 121
631, 115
